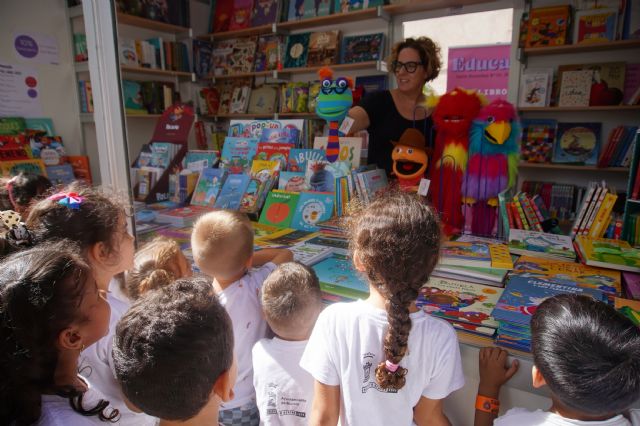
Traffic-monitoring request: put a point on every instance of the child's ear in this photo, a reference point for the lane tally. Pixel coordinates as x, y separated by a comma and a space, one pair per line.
99, 253
223, 387
70, 339
536, 378
357, 262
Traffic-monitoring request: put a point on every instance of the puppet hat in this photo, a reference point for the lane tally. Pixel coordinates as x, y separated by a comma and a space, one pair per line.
413, 138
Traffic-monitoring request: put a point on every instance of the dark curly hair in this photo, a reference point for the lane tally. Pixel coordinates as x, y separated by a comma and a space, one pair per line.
96, 220
41, 290
397, 239
588, 354
171, 347
428, 51
18, 192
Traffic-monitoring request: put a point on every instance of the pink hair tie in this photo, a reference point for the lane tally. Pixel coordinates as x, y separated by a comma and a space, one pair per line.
12, 200
391, 366
71, 199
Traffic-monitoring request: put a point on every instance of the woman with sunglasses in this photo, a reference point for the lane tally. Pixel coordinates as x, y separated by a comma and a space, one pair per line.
387, 114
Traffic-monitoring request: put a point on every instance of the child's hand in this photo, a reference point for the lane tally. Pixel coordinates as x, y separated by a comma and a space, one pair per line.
494, 371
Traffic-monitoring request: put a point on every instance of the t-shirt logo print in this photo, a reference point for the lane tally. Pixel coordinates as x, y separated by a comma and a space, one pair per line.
271, 395
370, 382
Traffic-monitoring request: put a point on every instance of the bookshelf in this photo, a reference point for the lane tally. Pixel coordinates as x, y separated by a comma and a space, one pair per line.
608, 108
379, 66
150, 24
581, 48
631, 206
574, 167
157, 72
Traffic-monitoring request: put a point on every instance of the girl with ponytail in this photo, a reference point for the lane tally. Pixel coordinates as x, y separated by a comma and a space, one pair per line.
381, 361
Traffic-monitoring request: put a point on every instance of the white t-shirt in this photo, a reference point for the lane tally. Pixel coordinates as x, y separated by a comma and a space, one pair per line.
56, 410
96, 363
523, 417
346, 345
242, 302
284, 391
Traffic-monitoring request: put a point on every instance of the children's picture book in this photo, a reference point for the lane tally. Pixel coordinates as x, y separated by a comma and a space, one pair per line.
237, 154
362, 48
279, 208
14, 147
263, 100
265, 12
232, 190
541, 244
323, 48
628, 308
631, 285
286, 135
274, 152
310, 254
202, 58
350, 148
268, 53
48, 148
535, 87
292, 182
605, 280
286, 237
196, 159
575, 88
261, 230
343, 6
297, 50
81, 167
182, 216
321, 175
132, 94
222, 51
128, 53
302, 9
459, 301
254, 128
595, 26
12, 168
298, 158
482, 255
294, 97
608, 253
239, 98
60, 175
538, 136
338, 276
522, 296
208, 187
577, 143
548, 26
242, 56
40, 125
312, 208
241, 16
371, 183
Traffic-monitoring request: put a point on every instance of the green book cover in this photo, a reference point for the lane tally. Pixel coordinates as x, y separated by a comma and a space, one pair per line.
12, 125
279, 208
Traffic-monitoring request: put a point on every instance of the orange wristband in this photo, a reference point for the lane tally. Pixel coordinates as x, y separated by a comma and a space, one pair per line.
487, 405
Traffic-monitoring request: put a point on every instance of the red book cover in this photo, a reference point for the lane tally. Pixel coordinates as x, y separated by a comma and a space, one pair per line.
222, 17
636, 185
81, 169
614, 139
510, 216
548, 26
14, 147
516, 216
241, 15
273, 151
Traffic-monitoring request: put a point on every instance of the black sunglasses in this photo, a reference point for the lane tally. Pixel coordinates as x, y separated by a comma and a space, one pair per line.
411, 67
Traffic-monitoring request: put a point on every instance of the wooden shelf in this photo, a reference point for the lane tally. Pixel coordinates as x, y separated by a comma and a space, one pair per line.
155, 71
378, 65
87, 117
587, 108
336, 18
150, 24
242, 75
269, 116
579, 48
577, 167
245, 32
413, 6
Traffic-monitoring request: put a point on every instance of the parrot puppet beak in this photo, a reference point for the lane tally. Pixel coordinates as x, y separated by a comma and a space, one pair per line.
498, 132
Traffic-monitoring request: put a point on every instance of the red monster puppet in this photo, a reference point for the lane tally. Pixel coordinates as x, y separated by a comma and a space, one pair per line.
452, 117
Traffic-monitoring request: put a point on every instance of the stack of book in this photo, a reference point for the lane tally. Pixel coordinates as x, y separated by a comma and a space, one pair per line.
519, 301
619, 147
147, 97
607, 253
154, 53
594, 215
152, 162
339, 281
559, 199
541, 244
467, 306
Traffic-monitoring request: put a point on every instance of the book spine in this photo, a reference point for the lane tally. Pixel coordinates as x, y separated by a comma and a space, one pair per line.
516, 216
523, 217
583, 210
83, 97
603, 217
87, 87
614, 140
510, 215
500, 257
591, 214
536, 209
529, 213
626, 161
635, 193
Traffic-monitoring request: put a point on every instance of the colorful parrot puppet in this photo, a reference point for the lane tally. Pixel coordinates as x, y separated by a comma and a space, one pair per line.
493, 163
334, 100
410, 158
452, 117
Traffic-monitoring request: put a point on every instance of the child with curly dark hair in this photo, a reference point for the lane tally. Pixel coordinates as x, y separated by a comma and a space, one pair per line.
173, 353
382, 361
97, 221
18, 192
50, 309
585, 352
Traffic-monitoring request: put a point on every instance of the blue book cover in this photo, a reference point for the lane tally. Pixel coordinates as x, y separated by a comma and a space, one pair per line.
292, 181
232, 190
577, 143
60, 175
338, 271
40, 125
237, 154
208, 187
302, 9
297, 50
343, 6
200, 157
202, 58
313, 207
362, 48
132, 95
522, 296
298, 158
264, 12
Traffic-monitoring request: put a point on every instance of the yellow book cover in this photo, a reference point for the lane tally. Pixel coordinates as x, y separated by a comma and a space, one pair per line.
606, 280
12, 168
607, 253
264, 169
603, 216
500, 256
628, 308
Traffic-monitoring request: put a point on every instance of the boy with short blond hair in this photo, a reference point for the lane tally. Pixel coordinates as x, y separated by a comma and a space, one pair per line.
291, 303
222, 244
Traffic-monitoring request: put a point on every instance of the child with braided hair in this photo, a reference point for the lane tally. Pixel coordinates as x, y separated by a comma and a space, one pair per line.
381, 361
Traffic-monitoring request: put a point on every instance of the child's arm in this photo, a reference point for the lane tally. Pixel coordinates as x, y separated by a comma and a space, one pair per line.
276, 256
326, 405
494, 372
428, 412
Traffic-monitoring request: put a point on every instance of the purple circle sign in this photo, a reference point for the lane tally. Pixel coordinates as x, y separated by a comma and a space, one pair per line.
26, 46
32, 93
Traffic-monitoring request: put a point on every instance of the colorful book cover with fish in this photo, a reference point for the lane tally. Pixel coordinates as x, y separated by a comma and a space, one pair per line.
312, 208
338, 276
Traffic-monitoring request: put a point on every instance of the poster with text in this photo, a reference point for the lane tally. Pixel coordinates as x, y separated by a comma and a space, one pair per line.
19, 91
484, 68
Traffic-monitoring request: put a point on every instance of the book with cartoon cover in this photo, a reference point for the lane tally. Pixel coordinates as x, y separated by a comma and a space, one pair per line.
274, 152
312, 208
541, 244
459, 301
268, 53
478, 254
254, 128
577, 143
279, 208
628, 308
608, 253
292, 181
231, 193
237, 154
538, 136
208, 187
338, 276
323, 48
298, 158
362, 48
265, 12
297, 50
321, 175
